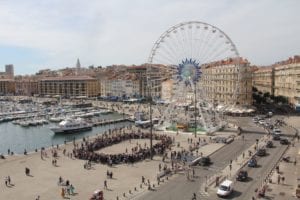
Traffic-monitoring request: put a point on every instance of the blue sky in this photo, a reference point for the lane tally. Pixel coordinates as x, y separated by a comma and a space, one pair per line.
54, 33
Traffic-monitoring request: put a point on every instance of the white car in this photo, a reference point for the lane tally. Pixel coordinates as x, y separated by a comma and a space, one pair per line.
225, 188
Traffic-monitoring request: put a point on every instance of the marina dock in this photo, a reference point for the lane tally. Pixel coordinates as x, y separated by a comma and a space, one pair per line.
106, 122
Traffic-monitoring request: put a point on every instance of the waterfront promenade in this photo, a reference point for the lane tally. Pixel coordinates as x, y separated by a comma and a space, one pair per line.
44, 176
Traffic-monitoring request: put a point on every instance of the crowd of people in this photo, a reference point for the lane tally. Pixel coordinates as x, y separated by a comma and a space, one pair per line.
88, 150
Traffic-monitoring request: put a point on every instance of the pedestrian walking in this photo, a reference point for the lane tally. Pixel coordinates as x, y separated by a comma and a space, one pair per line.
38, 197
8, 180
194, 196
188, 175
5, 180
278, 179
62, 193
193, 173
105, 184
230, 167
27, 171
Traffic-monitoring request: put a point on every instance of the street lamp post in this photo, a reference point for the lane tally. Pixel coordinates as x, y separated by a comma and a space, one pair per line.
150, 113
150, 107
195, 111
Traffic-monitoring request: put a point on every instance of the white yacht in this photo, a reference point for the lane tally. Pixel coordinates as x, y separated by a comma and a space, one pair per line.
72, 125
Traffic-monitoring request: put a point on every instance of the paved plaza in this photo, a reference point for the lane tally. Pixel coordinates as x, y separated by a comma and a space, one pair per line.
43, 179
127, 178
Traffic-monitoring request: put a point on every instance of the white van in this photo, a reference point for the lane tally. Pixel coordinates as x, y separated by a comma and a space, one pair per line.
225, 188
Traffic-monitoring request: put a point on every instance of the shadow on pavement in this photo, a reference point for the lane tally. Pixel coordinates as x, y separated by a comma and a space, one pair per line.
233, 195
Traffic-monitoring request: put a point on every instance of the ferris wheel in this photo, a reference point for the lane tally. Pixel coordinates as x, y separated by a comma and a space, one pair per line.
185, 49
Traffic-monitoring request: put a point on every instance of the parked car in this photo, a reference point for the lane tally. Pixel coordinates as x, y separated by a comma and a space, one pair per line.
276, 137
204, 161
252, 162
261, 152
242, 175
276, 131
269, 144
284, 141
255, 120
225, 188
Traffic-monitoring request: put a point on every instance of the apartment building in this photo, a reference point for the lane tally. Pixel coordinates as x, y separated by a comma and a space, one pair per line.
69, 86
26, 85
227, 82
7, 86
263, 79
287, 79
166, 90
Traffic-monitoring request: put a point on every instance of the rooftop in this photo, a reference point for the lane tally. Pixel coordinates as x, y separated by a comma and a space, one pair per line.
67, 78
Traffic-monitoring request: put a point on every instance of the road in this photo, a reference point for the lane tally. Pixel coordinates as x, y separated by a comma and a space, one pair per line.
180, 188
245, 190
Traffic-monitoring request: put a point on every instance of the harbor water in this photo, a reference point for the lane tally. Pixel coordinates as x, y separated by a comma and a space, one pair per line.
18, 138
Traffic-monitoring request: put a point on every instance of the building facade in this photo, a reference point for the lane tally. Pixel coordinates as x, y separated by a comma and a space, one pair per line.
166, 90
263, 79
69, 86
9, 72
26, 86
287, 80
228, 82
140, 72
7, 86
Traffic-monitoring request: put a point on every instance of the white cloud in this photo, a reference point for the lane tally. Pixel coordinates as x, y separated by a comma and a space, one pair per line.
123, 31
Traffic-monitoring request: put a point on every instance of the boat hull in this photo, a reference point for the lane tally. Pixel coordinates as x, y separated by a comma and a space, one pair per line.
68, 131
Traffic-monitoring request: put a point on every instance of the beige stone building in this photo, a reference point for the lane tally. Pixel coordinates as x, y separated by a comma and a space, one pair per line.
263, 79
69, 86
166, 90
224, 84
287, 79
26, 85
7, 86
140, 72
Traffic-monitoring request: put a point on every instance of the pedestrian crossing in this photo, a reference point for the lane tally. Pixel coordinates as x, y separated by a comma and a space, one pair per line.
202, 195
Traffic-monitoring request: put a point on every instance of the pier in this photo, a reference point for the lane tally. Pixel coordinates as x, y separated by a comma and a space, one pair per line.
106, 122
